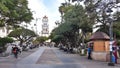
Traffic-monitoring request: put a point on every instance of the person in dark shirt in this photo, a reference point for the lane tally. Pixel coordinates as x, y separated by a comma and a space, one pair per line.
15, 51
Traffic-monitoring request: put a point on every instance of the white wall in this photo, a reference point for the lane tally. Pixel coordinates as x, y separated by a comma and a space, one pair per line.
3, 32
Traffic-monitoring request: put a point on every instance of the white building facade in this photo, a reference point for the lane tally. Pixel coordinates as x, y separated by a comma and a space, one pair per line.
3, 32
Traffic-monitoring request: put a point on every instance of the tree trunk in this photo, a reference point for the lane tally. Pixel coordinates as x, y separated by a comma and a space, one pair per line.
21, 43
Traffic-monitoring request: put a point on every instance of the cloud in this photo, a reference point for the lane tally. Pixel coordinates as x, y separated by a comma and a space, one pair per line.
42, 8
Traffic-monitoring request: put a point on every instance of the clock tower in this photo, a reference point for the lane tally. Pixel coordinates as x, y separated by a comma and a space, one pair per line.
45, 26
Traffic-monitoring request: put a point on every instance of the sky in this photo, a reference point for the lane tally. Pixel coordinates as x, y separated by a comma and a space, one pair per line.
40, 8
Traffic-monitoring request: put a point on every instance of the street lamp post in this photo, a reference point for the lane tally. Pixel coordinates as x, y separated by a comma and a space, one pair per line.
111, 63
36, 24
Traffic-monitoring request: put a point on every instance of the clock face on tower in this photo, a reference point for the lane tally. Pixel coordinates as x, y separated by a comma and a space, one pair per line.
45, 20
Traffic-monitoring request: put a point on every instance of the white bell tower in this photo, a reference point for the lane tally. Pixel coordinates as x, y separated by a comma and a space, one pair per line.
45, 26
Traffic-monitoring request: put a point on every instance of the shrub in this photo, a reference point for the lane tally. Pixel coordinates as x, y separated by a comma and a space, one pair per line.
3, 42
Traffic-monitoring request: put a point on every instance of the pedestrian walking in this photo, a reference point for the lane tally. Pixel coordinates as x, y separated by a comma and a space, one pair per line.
15, 51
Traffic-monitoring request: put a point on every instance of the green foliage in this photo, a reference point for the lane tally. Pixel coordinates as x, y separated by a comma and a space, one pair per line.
41, 39
57, 38
16, 33
116, 29
4, 41
63, 29
22, 35
79, 19
75, 18
117, 33
2, 23
64, 8
21, 32
97, 12
14, 12
118, 42
3, 8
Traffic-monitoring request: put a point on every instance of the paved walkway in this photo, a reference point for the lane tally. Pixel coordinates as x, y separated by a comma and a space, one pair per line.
46, 57
82, 61
32, 59
7, 62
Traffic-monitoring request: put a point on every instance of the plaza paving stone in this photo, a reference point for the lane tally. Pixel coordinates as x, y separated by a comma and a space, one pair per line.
48, 57
45, 57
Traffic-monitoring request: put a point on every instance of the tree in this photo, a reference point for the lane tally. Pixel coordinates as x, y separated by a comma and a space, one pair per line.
63, 34
79, 20
116, 30
75, 19
3, 42
41, 39
83, 18
102, 17
99, 8
18, 12
3, 9
14, 12
22, 35
57, 39
63, 9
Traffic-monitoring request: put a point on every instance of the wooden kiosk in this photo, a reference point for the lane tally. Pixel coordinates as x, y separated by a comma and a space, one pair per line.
100, 43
